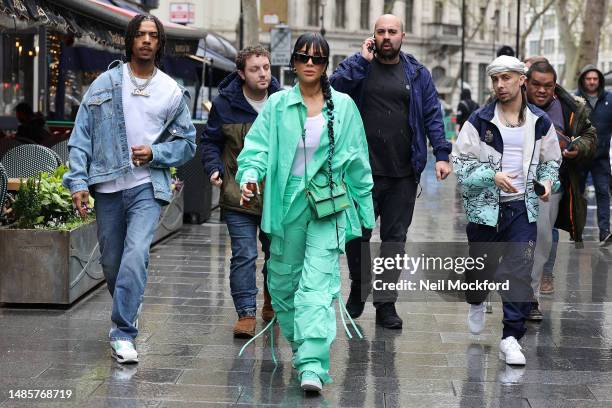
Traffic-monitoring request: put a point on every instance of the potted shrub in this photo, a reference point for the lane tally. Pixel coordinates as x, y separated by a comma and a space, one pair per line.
48, 253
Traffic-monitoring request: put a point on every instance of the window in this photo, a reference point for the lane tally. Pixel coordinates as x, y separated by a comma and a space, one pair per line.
438, 12
314, 8
509, 25
365, 15
340, 13
549, 47
466, 71
17, 54
496, 22
549, 21
483, 26
534, 48
409, 12
483, 89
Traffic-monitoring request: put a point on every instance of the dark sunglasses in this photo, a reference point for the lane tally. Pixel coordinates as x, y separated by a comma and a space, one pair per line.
303, 58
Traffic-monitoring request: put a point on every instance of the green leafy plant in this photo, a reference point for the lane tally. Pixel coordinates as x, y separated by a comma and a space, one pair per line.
27, 205
44, 202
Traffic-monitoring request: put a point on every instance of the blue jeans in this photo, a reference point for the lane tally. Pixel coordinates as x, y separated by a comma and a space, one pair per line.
549, 266
243, 234
127, 221
600, 172
513, 240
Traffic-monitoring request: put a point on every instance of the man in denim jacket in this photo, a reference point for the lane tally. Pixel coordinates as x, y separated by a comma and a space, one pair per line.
132, 126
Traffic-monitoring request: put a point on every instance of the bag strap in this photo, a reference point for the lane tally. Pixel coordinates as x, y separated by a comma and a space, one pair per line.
304, 149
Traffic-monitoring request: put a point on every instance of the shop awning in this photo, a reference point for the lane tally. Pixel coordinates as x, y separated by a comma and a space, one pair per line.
120, 16
102, 21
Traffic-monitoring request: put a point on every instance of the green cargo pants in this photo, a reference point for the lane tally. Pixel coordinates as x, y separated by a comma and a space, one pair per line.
304, 280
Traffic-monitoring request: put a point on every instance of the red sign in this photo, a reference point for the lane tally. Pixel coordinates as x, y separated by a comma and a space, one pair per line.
182, 13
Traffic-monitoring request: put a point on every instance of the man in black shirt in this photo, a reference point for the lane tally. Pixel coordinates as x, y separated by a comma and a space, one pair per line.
400, 110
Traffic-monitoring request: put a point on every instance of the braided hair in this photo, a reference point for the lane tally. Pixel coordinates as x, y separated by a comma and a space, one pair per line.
327, 95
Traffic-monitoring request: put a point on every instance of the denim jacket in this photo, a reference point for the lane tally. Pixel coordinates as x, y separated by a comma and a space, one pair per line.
98, 146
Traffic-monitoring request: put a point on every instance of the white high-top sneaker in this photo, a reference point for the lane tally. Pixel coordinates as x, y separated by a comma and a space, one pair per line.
476, 318
510, 351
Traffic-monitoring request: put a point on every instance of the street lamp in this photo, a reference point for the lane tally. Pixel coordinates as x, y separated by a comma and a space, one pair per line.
323, 4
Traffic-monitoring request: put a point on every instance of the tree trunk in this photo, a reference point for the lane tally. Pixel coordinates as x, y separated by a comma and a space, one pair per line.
569, 43
251, 22
595, 14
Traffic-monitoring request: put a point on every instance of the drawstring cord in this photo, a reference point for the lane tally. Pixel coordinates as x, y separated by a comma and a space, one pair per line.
271, 327
343, 311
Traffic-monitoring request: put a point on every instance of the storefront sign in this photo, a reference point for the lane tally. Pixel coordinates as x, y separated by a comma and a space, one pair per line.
182, 13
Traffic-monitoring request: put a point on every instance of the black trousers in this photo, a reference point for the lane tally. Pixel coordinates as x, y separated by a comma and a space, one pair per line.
394, 200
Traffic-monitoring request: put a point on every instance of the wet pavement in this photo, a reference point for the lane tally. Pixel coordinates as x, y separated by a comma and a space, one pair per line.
189, 358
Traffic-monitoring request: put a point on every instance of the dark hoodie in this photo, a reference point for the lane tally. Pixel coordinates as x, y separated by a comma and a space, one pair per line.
228, 123
601, 113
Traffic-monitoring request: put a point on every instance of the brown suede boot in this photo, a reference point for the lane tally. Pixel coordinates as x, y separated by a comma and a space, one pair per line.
245, 327
267, 313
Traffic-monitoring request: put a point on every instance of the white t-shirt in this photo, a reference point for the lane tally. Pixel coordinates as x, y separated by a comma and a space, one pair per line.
512, 159
145, 117
257, 105
314, 127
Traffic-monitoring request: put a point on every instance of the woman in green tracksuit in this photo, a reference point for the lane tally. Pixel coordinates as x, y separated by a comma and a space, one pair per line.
289, 146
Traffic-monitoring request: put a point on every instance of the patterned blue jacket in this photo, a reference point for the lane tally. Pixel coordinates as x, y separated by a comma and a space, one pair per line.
477, 157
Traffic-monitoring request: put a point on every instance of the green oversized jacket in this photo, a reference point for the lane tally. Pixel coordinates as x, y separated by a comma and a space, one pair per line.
271, 144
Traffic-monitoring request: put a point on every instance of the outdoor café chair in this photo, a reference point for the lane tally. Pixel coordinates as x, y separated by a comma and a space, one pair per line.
30, 160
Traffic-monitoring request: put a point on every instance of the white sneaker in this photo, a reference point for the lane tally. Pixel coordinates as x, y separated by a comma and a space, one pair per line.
123, 351
510, 351
476, 318
311, 382
511, 375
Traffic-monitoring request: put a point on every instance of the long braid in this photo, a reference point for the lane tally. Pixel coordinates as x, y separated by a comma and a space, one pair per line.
326, 88
327, 95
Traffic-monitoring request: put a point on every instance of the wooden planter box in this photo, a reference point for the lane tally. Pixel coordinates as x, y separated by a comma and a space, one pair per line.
58, 267
42, 266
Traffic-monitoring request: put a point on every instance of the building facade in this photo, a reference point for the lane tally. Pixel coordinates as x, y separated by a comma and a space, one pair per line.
433, 32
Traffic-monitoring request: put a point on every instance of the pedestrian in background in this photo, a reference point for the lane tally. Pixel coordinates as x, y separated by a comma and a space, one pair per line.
591, 86
465, 108
567, 208
242, 96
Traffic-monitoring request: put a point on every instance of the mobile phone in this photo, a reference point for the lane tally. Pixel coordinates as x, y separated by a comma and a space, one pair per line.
538, 188
372, 46
571, 143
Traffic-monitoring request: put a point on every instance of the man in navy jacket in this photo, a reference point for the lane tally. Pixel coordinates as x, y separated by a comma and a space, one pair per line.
242, 95
400, 110
591, 87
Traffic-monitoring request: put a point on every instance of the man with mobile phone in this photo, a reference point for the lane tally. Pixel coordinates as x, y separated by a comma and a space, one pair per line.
566, 208
501, 150
400, 110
